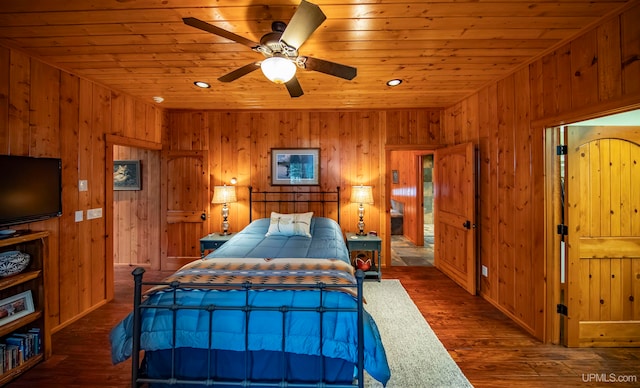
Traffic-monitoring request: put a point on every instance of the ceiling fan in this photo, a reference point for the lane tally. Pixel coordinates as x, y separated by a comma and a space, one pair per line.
280, 48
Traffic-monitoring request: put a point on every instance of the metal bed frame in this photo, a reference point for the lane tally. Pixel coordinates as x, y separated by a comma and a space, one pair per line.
138, 378
320, 197
293, 197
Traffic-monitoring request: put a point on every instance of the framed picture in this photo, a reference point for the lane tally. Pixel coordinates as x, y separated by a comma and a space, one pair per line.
15, 307
126, 175
395, 177
295, 166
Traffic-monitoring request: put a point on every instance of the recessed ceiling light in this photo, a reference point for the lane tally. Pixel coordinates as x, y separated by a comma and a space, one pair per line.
158, 99
202, 84
394, 82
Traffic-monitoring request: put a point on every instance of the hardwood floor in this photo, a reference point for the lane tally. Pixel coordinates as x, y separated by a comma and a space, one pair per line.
489, 348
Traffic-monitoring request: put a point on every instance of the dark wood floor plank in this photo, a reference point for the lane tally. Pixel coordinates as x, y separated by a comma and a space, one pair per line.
489, 348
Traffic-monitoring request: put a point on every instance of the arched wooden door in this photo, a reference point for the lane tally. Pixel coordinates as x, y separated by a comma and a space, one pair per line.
603, 272
185, 204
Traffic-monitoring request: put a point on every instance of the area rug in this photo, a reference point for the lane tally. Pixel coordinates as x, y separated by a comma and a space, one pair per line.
416, 357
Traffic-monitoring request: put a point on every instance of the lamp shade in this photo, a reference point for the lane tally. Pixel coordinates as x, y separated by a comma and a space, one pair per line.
278, 69
361, 194
224, 194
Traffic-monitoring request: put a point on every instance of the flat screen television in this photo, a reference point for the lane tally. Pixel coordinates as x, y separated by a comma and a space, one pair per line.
30, 189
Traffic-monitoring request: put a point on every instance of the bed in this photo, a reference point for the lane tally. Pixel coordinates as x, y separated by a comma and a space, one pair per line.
277, 305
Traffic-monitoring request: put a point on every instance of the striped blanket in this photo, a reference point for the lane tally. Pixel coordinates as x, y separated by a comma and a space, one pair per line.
221, 273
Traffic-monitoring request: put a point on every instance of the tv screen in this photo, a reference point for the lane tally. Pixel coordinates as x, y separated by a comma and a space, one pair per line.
30, 189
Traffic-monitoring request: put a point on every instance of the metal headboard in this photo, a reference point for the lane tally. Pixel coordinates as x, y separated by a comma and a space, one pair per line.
292, 199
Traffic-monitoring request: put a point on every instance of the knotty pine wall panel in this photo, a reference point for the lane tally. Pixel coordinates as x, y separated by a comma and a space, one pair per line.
413, 127
506, 188
67, 270
609, 58
351, 147
5, 65
487, 226
48, 112
630, 42
511, 226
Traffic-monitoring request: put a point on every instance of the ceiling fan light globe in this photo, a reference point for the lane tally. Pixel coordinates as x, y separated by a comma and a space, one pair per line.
278, 69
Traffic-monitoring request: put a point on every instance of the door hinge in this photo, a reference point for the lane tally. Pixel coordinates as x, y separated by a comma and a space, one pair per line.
561, 150
563, 230
562, 309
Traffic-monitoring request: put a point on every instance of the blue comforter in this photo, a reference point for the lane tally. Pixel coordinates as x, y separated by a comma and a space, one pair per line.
327, 241
302, 329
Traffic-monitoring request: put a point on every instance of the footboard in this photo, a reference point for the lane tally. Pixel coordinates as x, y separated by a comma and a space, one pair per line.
216, 364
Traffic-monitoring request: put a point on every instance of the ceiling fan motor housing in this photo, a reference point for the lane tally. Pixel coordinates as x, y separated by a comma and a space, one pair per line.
271, 44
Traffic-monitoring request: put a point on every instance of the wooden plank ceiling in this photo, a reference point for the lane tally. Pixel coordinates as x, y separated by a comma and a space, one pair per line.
442, 50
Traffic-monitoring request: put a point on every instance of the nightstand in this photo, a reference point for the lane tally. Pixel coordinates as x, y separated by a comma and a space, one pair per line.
372, 247
212, 241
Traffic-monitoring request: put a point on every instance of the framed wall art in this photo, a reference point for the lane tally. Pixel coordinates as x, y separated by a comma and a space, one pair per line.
395, 177
15, 307
295, 166
126, 175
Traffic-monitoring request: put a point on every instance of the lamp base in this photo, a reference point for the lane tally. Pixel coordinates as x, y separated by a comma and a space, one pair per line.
361, 233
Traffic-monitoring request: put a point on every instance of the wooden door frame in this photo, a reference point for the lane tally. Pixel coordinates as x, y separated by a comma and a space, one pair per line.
546, 127
111, 142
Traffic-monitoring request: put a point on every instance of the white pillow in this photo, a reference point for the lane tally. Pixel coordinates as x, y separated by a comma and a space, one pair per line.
295, 224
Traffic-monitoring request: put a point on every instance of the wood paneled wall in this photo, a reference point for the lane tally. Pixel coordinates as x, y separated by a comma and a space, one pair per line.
599, 67
351, 151
48, 112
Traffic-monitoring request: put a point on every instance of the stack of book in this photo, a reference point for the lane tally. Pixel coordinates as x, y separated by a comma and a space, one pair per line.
18, 348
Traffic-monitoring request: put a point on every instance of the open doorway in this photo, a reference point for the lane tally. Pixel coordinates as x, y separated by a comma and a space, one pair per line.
131, 215
427, 205
411, 208
594, 185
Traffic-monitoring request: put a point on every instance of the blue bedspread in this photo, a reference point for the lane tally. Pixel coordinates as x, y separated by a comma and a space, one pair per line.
327, 241
302, 329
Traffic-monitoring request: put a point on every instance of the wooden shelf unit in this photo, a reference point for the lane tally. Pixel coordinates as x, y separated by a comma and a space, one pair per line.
36, 245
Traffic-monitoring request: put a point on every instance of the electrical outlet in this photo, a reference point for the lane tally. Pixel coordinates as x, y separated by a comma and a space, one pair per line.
94, 213
485, 271
79, 215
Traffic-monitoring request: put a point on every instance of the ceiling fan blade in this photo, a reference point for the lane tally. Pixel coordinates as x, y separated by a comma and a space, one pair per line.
204, 26
242, 71
308, 18
294, 88
331, 68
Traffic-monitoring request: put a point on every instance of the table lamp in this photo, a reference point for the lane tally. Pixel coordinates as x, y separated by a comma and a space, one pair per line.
224, 195
361, 195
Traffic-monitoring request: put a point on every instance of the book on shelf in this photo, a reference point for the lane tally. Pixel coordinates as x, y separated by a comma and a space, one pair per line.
17, 348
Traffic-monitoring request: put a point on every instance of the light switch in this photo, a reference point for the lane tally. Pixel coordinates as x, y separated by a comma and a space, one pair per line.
94, 213
83, 185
